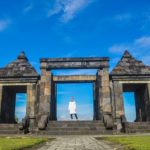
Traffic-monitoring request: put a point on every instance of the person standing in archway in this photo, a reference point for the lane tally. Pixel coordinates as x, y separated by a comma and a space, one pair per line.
72, 108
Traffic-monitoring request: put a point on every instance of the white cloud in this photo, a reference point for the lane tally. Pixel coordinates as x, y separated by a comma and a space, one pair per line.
140, 48
68, 8
4, 23
72, 8
57, 8
123, 17
28, 8
143, 42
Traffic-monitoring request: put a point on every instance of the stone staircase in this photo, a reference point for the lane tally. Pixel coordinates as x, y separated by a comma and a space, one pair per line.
9, 129
75, 128
137, 127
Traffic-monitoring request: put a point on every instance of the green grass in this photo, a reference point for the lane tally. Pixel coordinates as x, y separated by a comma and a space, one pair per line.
18, 143
132, 142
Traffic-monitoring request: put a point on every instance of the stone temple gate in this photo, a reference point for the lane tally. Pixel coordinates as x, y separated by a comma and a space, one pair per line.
129, 75
102, 101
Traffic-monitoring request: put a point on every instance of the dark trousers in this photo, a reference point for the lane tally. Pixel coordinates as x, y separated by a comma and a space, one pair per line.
71, 115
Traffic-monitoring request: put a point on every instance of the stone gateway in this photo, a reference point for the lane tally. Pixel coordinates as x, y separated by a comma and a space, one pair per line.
129, 75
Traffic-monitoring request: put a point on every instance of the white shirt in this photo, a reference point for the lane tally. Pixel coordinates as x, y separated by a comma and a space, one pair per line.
72, 107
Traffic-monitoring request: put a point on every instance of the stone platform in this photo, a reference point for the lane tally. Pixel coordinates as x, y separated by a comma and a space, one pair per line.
9, 129
74, 128
137, 127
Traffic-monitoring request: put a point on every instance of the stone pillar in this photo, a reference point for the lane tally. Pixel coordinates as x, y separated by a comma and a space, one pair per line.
119, 105
105, 106
31, 103
94, 102
45, 98
105, 100
118, 96
112, 99
1, 94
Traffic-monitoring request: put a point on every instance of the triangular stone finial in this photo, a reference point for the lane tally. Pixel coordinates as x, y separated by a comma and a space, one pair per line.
127, 54
128, 65
22, 56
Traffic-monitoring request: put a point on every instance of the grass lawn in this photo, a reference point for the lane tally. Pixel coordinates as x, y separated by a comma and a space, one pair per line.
18, 143
132, 142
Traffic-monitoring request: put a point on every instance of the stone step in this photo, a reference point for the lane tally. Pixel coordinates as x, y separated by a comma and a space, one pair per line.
75, 123
74, 126
138, 127
75, 129
138, 123
9, 125
10, 132
138, 131
9, 129
83, 132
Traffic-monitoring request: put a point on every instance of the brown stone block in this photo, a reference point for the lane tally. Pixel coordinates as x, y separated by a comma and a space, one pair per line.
42, 98
43, 65
43, 78
47, 85
105, 83
119, 113
47, 91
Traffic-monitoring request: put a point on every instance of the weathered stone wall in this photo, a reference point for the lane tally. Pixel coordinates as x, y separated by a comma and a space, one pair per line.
74, 78
108, 89
74, 63
118, 96
105, 91
130, 75
31, 110
45, 93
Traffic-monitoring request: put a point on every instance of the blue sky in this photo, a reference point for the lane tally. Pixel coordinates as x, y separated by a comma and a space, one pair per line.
83, 98
20, 110
74, 28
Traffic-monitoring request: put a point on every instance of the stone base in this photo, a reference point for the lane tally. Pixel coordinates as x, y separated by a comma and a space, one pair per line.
74, 128
137, 127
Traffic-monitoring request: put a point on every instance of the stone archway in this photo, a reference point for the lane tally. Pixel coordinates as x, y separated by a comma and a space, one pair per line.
102, 108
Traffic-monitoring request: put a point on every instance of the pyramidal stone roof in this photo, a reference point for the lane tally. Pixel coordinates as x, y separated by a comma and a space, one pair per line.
128, 65
18, 68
